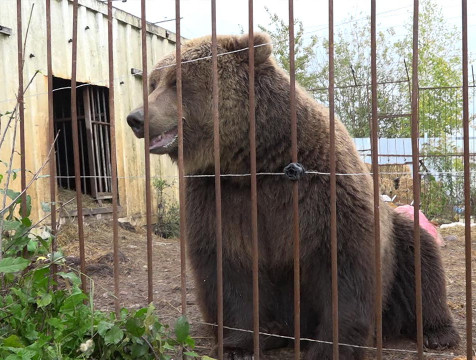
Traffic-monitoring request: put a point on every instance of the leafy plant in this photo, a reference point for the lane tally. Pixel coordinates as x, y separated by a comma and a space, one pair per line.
168, 211
442, 195
37, 322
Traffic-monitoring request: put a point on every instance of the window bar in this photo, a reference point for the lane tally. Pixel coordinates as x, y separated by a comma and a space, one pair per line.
74, 123
102, 154
65, 142
107, 136
375, 169
333, 195
467, 185
112, 128
182, 183
416, 182
294, 151
216, 152
90, 141
81, 148
148, 195
97, 155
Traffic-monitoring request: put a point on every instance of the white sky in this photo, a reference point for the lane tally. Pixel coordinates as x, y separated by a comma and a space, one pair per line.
314, 14
232, 15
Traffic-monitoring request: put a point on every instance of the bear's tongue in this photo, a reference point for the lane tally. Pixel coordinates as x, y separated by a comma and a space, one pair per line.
164, 140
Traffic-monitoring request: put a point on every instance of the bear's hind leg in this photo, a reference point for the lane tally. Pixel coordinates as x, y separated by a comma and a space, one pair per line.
438, 327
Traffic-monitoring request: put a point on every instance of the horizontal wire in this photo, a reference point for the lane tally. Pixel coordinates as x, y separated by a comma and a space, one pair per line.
328, 342
310, 172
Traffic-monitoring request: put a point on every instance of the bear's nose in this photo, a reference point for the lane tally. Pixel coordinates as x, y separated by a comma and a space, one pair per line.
136, 121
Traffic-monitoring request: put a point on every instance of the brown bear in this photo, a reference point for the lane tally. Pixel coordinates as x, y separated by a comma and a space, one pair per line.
355, 229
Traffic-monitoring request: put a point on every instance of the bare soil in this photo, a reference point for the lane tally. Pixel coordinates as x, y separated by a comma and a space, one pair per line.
167, 290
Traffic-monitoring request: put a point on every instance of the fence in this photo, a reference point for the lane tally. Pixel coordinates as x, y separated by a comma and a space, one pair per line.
415, 161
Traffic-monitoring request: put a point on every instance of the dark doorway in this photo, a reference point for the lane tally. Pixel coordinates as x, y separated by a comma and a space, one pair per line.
94, 138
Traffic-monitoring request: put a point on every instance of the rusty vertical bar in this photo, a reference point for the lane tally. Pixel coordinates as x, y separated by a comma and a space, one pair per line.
294, 156
74, 123
254, 191
182, 184
216, 153
416, 181
333, 194
21, 108
467, 186
148, 195
112, 128
51, 132
374, 146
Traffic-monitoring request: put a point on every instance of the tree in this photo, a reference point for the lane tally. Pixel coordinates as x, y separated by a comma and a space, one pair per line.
352, 76
439, 66
304, 51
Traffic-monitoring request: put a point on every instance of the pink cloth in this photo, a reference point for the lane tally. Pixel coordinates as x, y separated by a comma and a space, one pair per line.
408, 211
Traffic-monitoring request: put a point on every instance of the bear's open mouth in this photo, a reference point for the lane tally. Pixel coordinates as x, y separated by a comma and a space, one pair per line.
165, 141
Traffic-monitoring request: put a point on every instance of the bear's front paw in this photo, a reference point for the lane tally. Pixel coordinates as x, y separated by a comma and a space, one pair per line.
237, 354
441, 338
233, 354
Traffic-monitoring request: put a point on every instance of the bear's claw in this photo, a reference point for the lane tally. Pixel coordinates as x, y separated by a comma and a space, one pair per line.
233, 354
442, 338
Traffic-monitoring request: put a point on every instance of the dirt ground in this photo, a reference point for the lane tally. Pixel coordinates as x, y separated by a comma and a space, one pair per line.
166, 274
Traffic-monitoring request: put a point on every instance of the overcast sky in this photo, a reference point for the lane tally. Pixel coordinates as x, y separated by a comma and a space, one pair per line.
314, 14
232, 16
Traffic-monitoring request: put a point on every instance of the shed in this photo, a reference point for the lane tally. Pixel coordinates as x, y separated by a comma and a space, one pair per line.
93, 116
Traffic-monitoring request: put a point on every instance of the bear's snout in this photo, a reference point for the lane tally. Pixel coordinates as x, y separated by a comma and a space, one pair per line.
136, 121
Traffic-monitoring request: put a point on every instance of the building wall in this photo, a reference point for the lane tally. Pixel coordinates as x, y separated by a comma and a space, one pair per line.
92, 67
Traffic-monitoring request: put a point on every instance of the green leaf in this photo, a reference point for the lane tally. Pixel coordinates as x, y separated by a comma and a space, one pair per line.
72, 301
182, 329
46, 206
124, 313
55, 322
12, 194
13, 341
11, 265
190, 342
191, 353
75, 280
167, 346
207, 358
9, 225
26, 222
32, 245
103, 327
45, 300
139, 350
134, 327
113, 336
140, 313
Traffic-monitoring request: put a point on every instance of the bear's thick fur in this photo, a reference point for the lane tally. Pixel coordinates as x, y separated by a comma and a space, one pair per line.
354, 211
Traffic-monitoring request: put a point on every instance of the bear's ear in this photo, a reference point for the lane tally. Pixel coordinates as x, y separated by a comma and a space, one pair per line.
262, 43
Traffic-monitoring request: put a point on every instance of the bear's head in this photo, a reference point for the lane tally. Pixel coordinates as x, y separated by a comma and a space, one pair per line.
197, 98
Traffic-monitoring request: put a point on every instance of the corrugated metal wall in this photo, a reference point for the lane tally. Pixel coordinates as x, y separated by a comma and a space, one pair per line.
93, 69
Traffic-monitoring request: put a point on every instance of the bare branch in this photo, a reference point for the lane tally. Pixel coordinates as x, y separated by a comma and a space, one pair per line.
35, 177
12, 114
